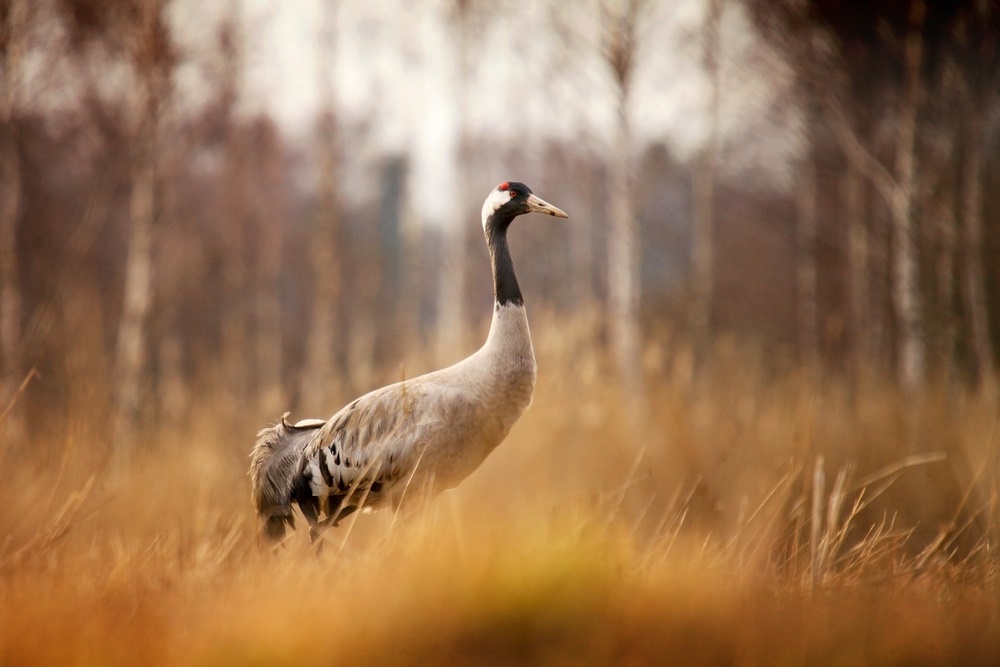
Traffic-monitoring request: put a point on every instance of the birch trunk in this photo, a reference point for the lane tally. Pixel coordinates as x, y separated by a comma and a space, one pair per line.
451, 324
151, 66
806, 261
580, 291
880, 279
899, 191
315, 391
236, 317
857, 257
623, 289
390, 334
316, 395
451, 295
130, 354
412, 287
171, 386
907, 304
267, 307
12, 429
973, 280
621, 46
944, 216
702, 244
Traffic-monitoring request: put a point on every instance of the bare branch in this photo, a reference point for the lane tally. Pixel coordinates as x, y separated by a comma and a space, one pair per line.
859, 156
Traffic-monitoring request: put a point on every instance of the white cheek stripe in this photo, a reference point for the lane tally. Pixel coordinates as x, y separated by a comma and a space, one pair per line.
495, 200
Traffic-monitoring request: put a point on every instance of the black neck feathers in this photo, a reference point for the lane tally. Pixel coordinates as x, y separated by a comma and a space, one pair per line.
506, 291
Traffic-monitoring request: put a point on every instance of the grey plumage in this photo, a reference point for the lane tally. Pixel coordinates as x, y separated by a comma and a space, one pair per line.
411, 438
274, 460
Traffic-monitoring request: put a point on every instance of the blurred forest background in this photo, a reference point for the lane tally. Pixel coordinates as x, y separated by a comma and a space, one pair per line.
766, 335
249, 207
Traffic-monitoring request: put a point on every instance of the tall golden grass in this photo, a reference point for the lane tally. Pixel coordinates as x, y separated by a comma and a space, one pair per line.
748, 515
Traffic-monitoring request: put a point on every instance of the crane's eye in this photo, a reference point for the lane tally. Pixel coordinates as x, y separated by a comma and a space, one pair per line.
513, 193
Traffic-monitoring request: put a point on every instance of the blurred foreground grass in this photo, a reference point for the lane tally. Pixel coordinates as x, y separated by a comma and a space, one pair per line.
752, 517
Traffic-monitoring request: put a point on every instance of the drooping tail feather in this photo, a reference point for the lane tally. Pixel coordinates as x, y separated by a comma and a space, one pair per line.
274, 463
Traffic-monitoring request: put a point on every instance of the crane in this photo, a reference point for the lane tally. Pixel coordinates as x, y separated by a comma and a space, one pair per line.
416, 437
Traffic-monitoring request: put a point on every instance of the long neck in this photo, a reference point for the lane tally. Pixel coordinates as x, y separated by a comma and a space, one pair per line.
506, 291
508, 346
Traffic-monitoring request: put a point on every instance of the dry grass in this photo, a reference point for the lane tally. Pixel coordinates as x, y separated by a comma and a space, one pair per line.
749, 518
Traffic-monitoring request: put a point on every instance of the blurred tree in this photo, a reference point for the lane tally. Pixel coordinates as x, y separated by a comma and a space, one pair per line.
235, 215
141, 32
267, 211
851, 65
938, 192
620, 46
170, 348
704, 173
587, 189
413, 276
13, 30
326, 261
976, 59
452, 325
806, 219
854, 195
572, 40
392, 192
875, 60
152, 58
906, 278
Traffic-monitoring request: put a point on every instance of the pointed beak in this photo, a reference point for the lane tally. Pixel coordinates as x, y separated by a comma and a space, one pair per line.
541, 206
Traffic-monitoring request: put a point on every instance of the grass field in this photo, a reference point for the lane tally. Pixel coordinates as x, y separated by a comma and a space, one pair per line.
752, 518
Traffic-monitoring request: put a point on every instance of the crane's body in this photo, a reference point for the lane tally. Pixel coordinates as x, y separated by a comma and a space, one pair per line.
415, 437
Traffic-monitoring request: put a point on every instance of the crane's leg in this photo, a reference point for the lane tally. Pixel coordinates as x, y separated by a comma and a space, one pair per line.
316, 539
335, 513
317, 527
340, 515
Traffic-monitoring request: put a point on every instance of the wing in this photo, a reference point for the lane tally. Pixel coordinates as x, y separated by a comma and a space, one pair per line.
371, 444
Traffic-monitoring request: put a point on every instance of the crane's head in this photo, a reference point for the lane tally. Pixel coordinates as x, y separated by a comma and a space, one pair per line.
511, 199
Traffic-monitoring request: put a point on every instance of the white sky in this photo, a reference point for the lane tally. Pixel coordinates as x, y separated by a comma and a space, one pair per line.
401, 54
